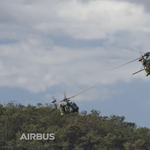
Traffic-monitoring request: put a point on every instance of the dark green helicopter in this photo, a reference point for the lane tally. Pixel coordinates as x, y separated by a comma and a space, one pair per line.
67, 106
145, 60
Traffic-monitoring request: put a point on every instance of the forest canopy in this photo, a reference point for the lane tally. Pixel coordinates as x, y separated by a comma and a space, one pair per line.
74, 131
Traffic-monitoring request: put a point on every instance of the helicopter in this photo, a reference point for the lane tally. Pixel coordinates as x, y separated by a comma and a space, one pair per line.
145, 60
67, 106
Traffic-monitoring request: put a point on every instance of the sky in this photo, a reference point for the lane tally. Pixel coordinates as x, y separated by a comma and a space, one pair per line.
51, 46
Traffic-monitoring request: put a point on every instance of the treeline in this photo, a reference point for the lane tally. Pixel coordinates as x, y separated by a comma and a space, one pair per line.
72, 132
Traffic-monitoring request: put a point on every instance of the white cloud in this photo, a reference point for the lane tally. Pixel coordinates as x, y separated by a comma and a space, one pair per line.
28, 64
93, 20
96, 19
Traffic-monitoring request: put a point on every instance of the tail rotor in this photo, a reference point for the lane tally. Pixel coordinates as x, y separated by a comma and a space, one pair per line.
54, 100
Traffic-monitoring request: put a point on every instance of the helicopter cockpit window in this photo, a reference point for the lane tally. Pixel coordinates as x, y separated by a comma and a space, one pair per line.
148, 58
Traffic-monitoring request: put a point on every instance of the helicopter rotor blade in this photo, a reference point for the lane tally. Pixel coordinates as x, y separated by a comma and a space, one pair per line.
65, 98
64, 93
141, 53
80, 93
138, 71
142, 67
53, 98
126, 63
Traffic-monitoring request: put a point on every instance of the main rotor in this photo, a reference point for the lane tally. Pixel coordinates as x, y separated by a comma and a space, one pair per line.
67, 99
143, 57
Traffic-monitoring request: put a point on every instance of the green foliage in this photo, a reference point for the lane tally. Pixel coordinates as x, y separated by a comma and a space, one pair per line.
74, 131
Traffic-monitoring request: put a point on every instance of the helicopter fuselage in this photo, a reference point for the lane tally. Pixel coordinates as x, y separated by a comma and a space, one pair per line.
68, 107
146, 64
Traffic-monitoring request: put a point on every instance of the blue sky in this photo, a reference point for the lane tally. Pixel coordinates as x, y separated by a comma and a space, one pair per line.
47, 47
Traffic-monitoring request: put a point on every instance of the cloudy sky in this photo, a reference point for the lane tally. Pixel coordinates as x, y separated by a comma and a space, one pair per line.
51, 46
